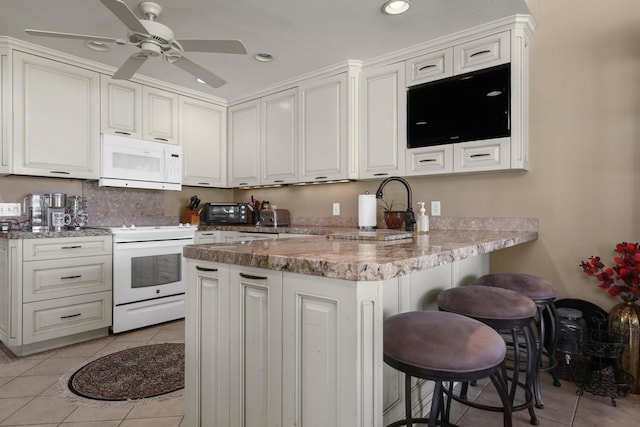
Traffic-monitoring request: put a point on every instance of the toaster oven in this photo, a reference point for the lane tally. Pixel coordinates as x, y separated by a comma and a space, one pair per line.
225, 213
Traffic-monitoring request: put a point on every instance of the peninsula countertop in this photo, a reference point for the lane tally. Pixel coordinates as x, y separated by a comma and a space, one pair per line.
361, 260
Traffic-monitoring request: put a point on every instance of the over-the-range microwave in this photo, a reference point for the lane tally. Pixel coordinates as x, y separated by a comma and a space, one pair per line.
136, 163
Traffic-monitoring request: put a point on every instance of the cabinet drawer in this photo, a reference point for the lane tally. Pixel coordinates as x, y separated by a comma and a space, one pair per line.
430, 160
65, 247
44, 320
66, 277
476, 156
482, 53
432, 66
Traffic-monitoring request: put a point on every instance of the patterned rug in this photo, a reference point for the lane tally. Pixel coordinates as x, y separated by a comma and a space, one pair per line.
135, 373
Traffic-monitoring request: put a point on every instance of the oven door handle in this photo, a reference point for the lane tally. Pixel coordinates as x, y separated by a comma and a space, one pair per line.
150, 244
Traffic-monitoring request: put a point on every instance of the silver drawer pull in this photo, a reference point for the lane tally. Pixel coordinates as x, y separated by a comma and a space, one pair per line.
278, 181
71, 315
380, 174
426, 66
427, 160
243, 183
71, 247
320, 177
61, 172
251, 276
122, 133
71, 277
203, 183
161, 139
480, 53
207, 234
205, 268
480, 155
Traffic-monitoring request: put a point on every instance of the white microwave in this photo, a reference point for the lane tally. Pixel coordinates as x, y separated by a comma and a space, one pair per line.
136, 163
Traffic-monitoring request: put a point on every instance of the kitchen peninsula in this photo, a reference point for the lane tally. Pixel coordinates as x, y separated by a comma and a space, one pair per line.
288, 332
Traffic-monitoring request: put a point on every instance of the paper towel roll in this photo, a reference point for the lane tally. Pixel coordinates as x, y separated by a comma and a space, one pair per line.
366, 210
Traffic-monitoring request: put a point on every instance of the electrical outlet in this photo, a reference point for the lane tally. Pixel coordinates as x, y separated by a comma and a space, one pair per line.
336, 209
435, 208
9, 209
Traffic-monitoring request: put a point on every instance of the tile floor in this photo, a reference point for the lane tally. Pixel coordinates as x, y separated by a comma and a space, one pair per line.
31, 394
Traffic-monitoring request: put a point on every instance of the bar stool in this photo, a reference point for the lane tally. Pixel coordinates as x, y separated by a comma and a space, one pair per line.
443, 347
506, 312
543, 295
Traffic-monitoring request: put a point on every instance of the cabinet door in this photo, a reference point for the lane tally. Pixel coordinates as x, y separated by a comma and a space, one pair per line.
256, 346
485, 155
6, 140
121, 107
203, 237
279, 142
323, 129
429, 67
429, 160
244, 144
56, 118
160, 115
319, 385
383, 130
207, 344
203, 129
482, 53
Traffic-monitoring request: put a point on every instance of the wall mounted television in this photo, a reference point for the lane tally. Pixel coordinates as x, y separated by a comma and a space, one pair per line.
467, 107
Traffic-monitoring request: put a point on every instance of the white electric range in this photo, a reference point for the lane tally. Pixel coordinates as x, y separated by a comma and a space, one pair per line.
149, 274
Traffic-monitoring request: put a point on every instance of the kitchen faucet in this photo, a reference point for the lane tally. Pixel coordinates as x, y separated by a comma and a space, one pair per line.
409, 216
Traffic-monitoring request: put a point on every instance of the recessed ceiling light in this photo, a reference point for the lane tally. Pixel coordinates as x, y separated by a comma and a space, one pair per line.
201, 81
263, 57
99, 46
395, 7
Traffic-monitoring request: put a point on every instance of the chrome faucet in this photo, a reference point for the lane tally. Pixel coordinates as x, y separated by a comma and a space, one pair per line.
409, 216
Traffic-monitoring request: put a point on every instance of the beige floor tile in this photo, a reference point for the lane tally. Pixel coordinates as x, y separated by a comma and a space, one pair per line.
106, 412
53, 390
9, 406
87, 349
598, 411
158, 408
5, 380
138, 335
27, 386
41, 410
17, 367
168, 335
55, 366
153, 422
91, 424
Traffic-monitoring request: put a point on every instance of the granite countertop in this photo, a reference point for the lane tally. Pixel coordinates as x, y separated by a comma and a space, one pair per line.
361, 259
17, 234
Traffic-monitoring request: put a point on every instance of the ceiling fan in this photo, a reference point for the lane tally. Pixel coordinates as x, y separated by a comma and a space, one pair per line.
154, 39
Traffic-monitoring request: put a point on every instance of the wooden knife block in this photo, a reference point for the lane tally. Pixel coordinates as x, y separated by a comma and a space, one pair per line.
190, 216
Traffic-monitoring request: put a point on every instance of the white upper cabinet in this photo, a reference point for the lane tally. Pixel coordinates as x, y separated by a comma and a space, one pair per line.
482, 53
203, 130
324, 136
383, 121
160, 115
279, 138
431, 66
56, 115
121, 107
244, 144
6, 164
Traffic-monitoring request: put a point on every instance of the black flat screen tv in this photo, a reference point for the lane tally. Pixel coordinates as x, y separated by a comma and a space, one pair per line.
467, 107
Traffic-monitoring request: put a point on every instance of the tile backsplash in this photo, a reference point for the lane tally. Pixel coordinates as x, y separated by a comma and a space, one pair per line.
112, 207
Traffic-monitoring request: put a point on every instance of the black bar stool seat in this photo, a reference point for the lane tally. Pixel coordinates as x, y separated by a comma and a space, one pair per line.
443, 347
543, 294
506, 312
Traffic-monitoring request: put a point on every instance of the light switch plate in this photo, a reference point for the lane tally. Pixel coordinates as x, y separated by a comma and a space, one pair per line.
336, 209
435, 208
9, 209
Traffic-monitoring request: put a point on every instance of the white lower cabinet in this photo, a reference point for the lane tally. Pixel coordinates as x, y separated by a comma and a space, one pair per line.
213, 236
54, 291
255, 347
274, 349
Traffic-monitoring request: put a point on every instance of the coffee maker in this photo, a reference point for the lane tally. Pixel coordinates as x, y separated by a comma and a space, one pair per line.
36, 207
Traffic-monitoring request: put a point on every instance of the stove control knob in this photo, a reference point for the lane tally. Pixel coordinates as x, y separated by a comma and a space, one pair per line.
180, 225
124, 227
132, 226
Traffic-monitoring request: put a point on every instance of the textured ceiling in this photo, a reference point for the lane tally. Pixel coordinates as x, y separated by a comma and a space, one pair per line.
303, 35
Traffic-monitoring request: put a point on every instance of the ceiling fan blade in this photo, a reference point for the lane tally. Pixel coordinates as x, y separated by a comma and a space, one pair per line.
199, 72
73, 36
124, 14
213, 46
130, 67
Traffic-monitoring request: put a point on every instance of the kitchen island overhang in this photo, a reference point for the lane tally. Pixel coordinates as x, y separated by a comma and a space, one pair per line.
290, 330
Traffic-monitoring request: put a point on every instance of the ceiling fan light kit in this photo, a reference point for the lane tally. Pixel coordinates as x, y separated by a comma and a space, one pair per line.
153, 39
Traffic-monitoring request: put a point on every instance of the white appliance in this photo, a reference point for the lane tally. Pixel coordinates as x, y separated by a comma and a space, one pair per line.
136, 163
149, 275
